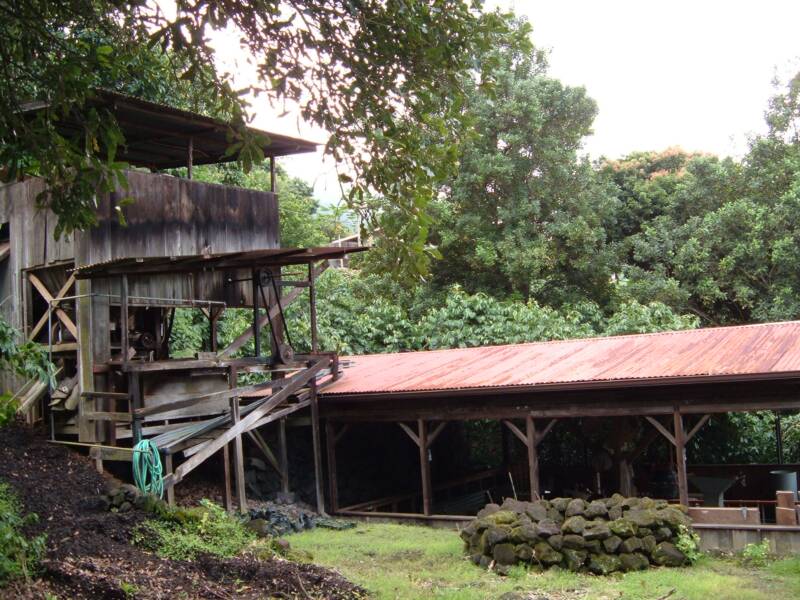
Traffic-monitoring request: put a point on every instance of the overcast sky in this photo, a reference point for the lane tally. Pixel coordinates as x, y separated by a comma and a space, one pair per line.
695, 74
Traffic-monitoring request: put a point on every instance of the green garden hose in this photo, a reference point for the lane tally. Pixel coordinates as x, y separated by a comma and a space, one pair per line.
147, 471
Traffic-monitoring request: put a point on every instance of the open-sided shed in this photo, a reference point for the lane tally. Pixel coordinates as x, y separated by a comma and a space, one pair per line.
673, 380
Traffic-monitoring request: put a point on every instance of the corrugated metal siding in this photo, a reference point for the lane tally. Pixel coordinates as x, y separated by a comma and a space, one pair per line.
741, 350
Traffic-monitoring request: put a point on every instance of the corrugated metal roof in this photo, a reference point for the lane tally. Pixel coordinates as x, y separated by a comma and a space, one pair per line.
748, 350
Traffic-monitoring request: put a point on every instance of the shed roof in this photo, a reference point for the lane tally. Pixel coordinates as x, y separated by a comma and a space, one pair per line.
765, 351
157, 136
248, 259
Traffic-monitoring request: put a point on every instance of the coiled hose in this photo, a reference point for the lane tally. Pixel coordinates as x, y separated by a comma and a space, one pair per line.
147, 470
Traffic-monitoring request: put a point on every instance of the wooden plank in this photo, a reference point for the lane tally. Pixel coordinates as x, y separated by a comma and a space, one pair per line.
106, 395
697, 427
184, 401
262, 445
283, 448
317, 449
785, 516
110, 453
410, 433
425, 467
62, 316
43, 320
119, 417
516, 431
135, 391
333, 484
680, 458
297, 381
785, 499
270, 315
238, 451
123, 319
341, 433
170, 487
533, 457
725, 516
661, 429
226, 468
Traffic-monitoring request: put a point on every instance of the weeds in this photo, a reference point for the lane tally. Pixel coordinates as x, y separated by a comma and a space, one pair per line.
19, 556
185, 533
756, 555
688, 542
8, 408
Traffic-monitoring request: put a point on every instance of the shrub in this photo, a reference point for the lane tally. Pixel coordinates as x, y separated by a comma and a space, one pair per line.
19, 556
8, 408
756, 555
688, 542
183, 534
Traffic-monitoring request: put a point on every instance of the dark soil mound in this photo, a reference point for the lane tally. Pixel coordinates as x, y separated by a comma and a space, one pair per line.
89, 554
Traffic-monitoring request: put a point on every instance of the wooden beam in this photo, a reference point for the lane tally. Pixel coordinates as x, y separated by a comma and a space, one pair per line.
297, 381
516, 431
261, 444
226, 469
410, 433
43, 321
432, 437
45, 293
123, 319
312, 307
662, 430
333, 485
135, 391
170, 488
680, 456
533, 457
425, 466
268, 316
543, 434
697, 427
317, 449
283, 449
238, 451
341, 433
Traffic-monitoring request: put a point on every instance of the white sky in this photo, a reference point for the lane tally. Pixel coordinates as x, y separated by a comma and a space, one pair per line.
695, 74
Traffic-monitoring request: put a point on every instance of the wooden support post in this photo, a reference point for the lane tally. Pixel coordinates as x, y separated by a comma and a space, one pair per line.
273, 184
123, 318
135, 394
533, 457
284, 456
425, 466
256, 327
190, 158
312, 300
315, 440
170, 487
226, 460
238, 451
680, 462
333, 487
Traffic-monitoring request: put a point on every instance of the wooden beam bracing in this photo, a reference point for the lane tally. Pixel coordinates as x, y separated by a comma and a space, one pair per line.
662, 430
703, 420
414, 437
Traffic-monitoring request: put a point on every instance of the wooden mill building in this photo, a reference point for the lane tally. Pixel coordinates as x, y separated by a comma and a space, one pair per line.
103, 301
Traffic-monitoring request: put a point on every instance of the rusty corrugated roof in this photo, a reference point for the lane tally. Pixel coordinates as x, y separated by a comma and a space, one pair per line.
766, 350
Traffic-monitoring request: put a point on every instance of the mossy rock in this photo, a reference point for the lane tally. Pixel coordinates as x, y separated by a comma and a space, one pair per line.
634, 562
487, 510
672, 517
547, 527
644, 532
614, 513
596, 530
649, 543
469, 531
593, 547
630, 545
662, 534
555, 516
575, 507
537, 511
495, 535
475, 558
544, 553
516, 506
560, 504
504, 554
612, 544
667, 554
573, 541
556, 541
623, 527
629, 503
524, 552
574, 524
524, 533
615, 500
502, 517
647, 503
642, 517
574, 559
603, 564
596, 509
485, 561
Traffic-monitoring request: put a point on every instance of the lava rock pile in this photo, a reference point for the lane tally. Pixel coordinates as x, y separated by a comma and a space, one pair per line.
601, 536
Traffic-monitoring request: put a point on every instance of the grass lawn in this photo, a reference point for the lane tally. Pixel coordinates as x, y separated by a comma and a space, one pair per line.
404, 561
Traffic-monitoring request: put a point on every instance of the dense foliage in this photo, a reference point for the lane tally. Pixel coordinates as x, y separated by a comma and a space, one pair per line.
19, 554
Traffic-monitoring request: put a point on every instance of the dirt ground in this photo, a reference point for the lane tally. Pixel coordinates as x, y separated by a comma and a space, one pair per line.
89, 554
